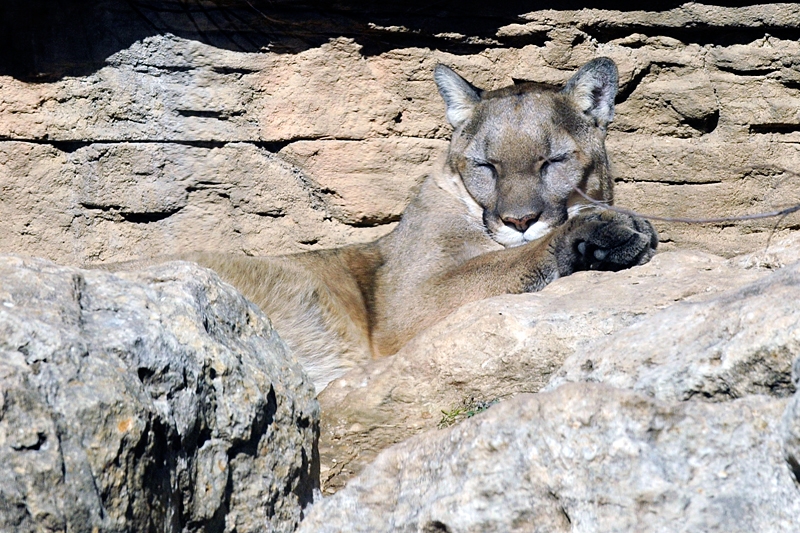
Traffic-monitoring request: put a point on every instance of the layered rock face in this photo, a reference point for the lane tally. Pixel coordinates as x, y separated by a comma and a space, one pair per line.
278, 127
158, 400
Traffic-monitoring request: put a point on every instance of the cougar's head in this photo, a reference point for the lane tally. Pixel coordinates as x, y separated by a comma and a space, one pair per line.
520, 150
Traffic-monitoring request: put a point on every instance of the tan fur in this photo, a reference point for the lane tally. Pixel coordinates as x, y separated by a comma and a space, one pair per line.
500, 216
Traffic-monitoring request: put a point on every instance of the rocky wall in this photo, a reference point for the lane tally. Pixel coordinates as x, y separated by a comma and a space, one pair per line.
137, 128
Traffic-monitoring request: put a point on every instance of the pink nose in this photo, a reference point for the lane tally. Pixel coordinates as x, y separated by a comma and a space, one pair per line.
521, 224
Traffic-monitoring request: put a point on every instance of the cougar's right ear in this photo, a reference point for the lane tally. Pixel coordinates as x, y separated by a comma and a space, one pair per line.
460, 96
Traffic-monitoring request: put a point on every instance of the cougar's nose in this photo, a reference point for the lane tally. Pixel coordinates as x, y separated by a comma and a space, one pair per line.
521, 224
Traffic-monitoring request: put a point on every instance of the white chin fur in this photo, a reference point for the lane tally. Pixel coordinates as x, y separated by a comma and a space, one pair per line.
509, 237
537, 231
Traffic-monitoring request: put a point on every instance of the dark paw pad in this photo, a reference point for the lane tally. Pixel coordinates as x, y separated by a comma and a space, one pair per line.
607, 242
590, 257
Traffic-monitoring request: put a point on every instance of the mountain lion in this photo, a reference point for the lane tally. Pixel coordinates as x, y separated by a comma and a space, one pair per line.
500, 216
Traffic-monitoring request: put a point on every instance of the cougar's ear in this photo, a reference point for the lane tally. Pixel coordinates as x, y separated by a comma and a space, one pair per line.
593, 89
460, 96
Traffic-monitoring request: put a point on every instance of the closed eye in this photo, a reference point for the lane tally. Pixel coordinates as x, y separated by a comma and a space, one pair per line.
484, 164
556, 159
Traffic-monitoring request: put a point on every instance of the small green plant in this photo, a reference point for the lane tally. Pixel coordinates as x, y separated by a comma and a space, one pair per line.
467, 408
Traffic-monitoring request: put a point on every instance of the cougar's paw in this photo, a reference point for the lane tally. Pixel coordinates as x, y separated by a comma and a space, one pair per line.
605, 240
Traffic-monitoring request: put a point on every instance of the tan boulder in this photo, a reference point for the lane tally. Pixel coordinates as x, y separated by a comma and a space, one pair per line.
704, 127
512, 344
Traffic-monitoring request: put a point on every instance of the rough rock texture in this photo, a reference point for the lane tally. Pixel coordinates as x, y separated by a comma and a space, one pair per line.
133, 128
690, 420
585, 457
687, 324
791, 426
737, 344
157, 400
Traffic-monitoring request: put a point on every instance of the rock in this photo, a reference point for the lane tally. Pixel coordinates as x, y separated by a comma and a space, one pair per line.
724, 182
129, 130
584, 457
369, 182
791, 426
112, 202
735, 344
685, 325
158, 400
500, 347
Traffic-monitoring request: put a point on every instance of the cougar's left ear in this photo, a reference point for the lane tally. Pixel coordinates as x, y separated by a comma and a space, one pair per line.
593, 89
460, 96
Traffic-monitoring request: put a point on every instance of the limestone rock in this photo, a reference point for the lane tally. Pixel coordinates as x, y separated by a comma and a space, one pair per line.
369, 182
182, 125
584, 457
732, 345
654, 325
118, 201
500, 347
724, 182
791, 426
156, 400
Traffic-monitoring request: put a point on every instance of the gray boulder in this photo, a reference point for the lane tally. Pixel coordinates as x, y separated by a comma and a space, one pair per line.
727, 346
158, 400
584, 457
685, 418
791, 427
